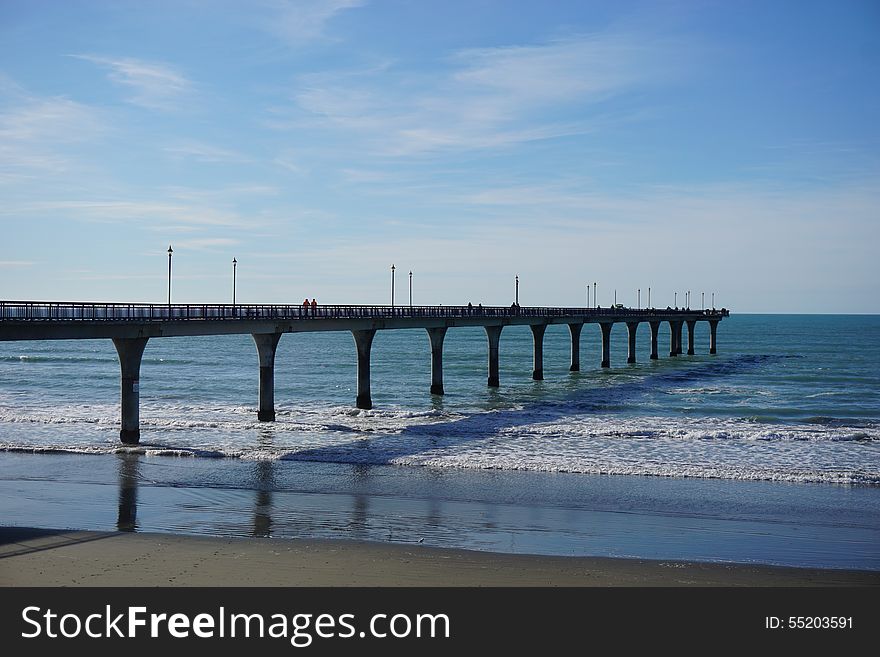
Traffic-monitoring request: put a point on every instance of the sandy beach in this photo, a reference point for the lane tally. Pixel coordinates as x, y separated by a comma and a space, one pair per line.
41, 557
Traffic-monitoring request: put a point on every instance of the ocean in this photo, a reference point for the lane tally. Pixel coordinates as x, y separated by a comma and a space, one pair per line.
768, 452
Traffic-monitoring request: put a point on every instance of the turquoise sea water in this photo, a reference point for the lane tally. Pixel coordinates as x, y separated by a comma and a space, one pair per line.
777, 436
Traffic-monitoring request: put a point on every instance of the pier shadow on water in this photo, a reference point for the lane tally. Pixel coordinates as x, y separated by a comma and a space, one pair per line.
382, 448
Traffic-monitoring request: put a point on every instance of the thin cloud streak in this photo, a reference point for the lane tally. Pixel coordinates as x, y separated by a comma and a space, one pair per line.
156, 85
489, 98
299, 21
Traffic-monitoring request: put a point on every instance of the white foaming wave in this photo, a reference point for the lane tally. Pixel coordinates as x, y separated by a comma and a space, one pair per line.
180, 417
692, 429
700, 471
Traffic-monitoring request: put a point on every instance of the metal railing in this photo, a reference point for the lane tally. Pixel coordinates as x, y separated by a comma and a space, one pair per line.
142, 312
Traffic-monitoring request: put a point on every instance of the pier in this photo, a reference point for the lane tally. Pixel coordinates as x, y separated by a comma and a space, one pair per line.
131, 326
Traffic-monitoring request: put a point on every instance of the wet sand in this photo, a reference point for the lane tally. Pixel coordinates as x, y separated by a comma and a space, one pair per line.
42, 557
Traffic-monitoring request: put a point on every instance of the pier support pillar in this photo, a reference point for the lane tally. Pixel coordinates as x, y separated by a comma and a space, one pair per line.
267, 343
493, 335
692, 323
130, 351
435, 336
538, 360
606, 343
678, 327
655, 329
575, 347
673, 345
631, 328
363, 340
713, 326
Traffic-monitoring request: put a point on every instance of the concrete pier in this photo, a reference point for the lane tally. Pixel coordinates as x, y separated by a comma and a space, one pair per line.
575, 347
363, 340
538, 359
267, 344
130, 351
631, 328
493, 336
130, 325
606, 343
655, 329
436, 336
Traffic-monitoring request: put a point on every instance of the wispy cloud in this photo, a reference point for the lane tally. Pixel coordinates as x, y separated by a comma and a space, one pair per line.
206, 243
203, 152
300, 21
9, 264
34, 133
154, 85
490, 97
156, 213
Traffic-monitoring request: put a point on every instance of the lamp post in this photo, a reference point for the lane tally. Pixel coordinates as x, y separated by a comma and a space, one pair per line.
676, 301
516, 295
234, 265
170, 251
595, 298
713, 301
588, 295
410, 289
649, 297
392, 286
702, 300
615, 298
688, 304
639, 292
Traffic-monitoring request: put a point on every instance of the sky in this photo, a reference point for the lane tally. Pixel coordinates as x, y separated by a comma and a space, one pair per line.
726, 148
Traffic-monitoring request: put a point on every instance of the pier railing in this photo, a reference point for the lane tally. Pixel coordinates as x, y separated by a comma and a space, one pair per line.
139, 312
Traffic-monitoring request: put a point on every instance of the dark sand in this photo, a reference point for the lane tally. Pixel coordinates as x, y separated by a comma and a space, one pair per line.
40, 557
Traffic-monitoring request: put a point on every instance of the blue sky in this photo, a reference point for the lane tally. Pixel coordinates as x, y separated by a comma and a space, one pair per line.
727, 147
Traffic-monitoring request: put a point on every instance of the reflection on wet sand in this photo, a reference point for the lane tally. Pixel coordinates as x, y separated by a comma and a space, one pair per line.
126, 517
265, 479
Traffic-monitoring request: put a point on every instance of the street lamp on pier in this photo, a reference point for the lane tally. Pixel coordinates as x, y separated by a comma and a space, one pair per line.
639, 292
234, 265
410, 289
170, 251
392, 286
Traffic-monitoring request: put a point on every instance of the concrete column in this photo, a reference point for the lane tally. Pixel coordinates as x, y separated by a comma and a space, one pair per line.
130, 351
691, 326
575, 347
631, 328
363, 340
538, 361
493, 335
655, 329
678, 326
713, 326
266, 343
435, 336
673, 351
606, 343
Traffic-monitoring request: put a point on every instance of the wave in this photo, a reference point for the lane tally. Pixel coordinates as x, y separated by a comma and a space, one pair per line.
33, 358
356, 456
